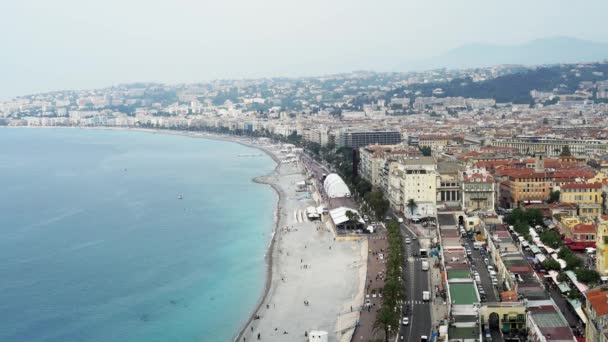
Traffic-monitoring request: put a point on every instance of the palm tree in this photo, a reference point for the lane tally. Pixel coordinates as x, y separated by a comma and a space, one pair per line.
412, 205
385, 319
349, 215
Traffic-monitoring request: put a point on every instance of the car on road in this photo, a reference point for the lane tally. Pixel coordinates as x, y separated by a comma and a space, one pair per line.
408, 241
414, 237
400, 220
425, 265
426, 296
405, 321
488, 335
424, 338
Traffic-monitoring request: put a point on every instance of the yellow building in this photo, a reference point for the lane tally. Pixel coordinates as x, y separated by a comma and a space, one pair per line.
601, 243
596, 309
567, 222
505, 315
587, 196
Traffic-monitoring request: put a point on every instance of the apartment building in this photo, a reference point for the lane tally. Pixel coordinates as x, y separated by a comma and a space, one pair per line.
413, 178
449, 190
601, 243
587, 196
357, 139
596, 309
478, 190
438, 142
553, 146
372, 159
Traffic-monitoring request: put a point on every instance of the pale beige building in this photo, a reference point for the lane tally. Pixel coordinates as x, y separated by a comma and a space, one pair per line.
413, 178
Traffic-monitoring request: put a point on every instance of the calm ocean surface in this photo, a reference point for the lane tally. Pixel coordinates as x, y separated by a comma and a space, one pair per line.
96, 246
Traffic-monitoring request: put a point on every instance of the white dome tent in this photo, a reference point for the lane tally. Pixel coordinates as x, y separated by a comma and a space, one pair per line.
335, 187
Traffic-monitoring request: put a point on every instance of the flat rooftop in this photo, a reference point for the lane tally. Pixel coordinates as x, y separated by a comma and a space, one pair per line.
463, 333
463, 294
459, 274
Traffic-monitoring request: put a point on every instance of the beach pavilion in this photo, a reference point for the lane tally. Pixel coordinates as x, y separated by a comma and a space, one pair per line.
335, 187
341, 219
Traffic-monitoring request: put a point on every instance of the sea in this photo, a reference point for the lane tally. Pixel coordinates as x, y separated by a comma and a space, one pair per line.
96, 244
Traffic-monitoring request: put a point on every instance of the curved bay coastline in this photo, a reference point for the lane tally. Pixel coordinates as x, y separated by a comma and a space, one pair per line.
278, 181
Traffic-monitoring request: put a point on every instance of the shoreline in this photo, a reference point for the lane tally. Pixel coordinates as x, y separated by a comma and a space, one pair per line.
274, 264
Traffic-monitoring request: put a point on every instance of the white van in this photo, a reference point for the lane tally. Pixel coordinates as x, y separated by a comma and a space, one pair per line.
426, 296
425, 265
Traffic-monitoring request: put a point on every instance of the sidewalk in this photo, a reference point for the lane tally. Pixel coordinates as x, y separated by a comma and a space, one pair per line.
439, 309
374, 282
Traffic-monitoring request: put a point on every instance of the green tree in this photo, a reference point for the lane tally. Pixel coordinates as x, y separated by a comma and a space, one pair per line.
562, 277
587, 276
378, 204
534, 217
554, 196
515, 216
426, 151
363, 186
551, 238
352, 216
412, 205
574, 294
386, 319
551, 265
564, 253
522, 229
565, 151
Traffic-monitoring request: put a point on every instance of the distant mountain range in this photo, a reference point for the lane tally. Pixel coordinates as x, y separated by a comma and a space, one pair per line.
541, 51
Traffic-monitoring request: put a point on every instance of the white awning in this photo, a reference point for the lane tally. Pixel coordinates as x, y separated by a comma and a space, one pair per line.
581, 314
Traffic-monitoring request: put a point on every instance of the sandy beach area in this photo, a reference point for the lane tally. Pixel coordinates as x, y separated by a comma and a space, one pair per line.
316, 282
313, 282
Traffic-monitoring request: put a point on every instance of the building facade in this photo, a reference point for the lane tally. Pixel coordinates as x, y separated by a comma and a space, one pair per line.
413, 179
357, 139
478, 190
588, 197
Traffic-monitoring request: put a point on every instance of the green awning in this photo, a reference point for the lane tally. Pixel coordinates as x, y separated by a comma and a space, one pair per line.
563, 287
535, 250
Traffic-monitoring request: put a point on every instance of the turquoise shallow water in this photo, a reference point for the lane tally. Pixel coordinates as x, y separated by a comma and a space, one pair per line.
96, 246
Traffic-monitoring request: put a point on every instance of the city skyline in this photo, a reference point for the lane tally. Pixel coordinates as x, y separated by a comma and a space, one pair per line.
70, 46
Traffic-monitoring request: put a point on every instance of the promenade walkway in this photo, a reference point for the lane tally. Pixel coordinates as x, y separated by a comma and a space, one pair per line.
376, 269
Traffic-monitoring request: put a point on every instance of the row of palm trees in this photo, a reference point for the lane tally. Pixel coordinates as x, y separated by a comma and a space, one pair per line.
393, 293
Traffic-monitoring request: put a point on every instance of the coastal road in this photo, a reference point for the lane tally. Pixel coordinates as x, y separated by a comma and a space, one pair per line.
416, 281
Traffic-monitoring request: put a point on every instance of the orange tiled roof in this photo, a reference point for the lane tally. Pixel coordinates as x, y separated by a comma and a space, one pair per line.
598, 299
582, 186
582, 228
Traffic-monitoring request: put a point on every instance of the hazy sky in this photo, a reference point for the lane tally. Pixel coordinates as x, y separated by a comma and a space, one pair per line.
61, 44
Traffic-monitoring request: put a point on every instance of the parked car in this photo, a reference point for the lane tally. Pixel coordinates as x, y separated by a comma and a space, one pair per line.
406, 321
408, 241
